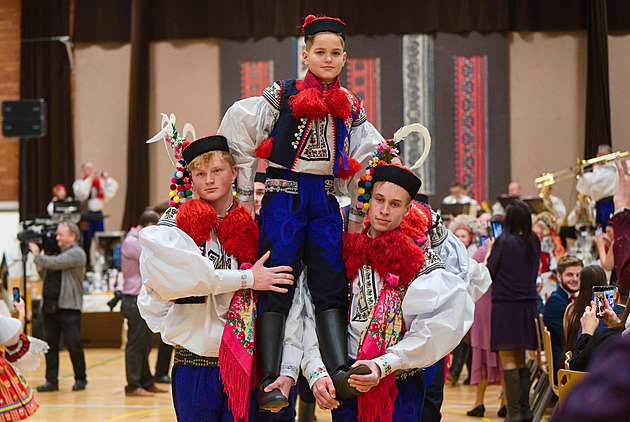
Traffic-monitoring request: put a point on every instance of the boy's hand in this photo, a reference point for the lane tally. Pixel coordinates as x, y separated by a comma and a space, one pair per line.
283, 383
324, 392
266, 278
363, 383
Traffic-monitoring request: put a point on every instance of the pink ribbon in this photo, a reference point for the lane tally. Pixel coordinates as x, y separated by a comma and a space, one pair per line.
246, 266
392, 279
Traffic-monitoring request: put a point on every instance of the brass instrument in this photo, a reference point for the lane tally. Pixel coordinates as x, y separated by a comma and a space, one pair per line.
548, 179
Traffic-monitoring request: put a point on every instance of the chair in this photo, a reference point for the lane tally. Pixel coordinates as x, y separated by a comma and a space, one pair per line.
538, 369
567, 379
542, 401
567, 358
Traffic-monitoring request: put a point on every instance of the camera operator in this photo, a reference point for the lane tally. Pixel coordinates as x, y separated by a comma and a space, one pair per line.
62, 314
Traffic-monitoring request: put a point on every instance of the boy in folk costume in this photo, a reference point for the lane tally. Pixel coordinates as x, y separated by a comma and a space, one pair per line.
199, 289
406, 310
315, 137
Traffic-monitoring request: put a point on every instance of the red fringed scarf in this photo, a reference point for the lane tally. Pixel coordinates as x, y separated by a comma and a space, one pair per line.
398, 260
96, 184
238, 235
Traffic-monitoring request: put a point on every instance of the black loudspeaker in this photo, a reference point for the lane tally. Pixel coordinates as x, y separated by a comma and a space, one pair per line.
24, 118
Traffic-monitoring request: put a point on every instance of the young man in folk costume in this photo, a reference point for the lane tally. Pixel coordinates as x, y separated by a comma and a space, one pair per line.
315, 137
199, 290
406, 310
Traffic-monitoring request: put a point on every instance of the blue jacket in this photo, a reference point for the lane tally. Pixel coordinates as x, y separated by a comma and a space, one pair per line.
553, 318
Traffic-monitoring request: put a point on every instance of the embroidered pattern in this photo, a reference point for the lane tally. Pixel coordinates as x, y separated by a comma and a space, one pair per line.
168, 218
295, 370
304, 122
361, 118
329, 187
245, 192
432, 262
243, 279
386, 367
355, 211
367, 288
314, 146
316, 373
273, 94
242, 323
281, 185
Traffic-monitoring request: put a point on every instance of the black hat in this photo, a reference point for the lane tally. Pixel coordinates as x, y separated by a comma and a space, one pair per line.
316, 24
197, 147
260, 177
401, 176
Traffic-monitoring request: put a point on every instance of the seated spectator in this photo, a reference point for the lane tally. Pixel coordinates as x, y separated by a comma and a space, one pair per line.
592, 338
568, 271
620, 298
592, 275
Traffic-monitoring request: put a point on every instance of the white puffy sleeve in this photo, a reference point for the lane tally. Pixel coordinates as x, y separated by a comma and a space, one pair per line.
81, 188
246, 124
455, 257
10, 329
153, 310
438, 312
172, 267
364, 139
599, 183
110, 187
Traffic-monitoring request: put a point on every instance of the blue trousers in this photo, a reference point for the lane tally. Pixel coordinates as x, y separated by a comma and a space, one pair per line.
198, 396
302, 225
407, 407
604, 210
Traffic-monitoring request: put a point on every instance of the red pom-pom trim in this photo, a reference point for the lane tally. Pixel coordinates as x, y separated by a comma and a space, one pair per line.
353, 168
197, 219
238, 234
309, 103
338, 103
263, 150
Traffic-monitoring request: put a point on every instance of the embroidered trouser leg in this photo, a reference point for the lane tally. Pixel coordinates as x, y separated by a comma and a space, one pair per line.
302, 224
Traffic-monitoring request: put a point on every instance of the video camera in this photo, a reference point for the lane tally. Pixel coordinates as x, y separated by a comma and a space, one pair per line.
42, 232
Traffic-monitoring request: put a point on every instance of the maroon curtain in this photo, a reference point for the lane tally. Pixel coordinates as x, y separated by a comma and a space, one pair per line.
45, 73
597, 89
137, 197
108, 20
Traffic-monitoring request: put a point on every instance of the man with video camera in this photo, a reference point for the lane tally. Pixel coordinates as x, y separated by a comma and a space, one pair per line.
63, 301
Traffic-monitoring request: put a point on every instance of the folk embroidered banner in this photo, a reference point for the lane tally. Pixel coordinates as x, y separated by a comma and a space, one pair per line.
364, 80
470, 100
255, 77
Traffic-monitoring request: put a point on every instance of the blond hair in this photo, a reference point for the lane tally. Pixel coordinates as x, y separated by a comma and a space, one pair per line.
203, 160
311, 39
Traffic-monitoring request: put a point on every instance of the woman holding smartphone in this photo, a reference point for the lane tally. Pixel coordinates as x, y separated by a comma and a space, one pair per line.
513, 263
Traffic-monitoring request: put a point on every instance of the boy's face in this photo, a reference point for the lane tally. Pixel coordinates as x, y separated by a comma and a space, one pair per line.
326, 57
464, 236
388, 205
214, 182
259, 192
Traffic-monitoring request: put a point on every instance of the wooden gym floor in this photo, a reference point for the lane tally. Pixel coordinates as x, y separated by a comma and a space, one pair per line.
104, 398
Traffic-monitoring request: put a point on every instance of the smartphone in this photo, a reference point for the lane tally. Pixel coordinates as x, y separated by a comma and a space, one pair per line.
16, 294
600, 294
495, 228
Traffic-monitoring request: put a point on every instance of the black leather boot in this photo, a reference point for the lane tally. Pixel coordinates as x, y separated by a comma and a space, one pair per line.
306, 411
269, 337
526, 412
512, 382
332, 333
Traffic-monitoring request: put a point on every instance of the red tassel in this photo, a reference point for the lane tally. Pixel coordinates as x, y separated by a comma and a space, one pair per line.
197, 219
234, 383
353, 168
386, 250
354, 252
414, 225
238, 234
338, 104
309, 103
263, 150
377, 405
